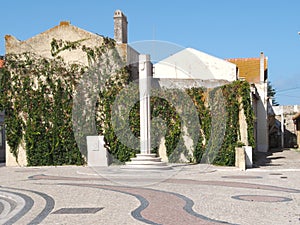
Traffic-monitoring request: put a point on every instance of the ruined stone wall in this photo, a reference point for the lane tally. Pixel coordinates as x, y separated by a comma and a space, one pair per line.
290, 139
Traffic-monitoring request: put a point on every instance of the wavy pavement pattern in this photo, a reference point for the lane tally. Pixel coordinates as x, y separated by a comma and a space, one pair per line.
14, 205
233, 184
156, 207
161, 207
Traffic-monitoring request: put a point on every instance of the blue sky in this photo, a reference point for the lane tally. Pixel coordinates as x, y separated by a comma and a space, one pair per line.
226, 29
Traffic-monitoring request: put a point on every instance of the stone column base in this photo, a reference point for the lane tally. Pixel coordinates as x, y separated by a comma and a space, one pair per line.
146, 162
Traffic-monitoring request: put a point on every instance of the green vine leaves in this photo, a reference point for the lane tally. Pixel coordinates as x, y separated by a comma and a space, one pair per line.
52, 106
167, 106
37, 102
103, 75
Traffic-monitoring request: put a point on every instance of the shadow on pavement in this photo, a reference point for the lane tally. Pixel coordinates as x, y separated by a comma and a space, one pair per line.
265, 158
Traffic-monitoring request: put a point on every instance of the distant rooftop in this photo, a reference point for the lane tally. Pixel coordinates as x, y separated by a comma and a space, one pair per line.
2, 61
249, 68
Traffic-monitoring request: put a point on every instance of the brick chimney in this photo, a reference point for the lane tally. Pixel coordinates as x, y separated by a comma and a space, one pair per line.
262, 67
120, 27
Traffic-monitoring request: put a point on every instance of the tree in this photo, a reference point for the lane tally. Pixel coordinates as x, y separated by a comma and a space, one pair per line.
271, 92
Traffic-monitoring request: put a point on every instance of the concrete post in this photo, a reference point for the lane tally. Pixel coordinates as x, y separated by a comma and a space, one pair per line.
144, 88
145, 160
240, 158
248, 156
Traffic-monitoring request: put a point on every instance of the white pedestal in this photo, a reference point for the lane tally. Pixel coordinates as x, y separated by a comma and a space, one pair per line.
248, 156
240, 158
97, 154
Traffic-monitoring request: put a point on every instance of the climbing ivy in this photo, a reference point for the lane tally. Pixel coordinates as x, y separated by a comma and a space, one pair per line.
226, 155
58, 46
37, 99
37, 95
244, 92
198, 97
222, 101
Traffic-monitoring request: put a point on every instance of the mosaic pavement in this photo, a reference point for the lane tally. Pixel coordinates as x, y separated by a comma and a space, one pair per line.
188, 195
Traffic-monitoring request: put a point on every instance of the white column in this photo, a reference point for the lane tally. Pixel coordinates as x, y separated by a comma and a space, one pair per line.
144, 88
145, 160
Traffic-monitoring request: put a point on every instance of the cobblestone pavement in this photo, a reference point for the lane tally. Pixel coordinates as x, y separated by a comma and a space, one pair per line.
187, 194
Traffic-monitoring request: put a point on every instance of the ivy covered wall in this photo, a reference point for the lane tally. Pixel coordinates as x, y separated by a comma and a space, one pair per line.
38, 97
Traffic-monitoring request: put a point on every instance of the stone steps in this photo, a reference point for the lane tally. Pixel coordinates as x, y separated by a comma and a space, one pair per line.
146, 162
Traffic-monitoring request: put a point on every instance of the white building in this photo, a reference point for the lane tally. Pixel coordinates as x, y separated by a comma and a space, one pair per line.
190, 63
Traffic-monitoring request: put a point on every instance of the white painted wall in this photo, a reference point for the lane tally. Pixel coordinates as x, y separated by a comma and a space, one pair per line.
193, 64
262, 131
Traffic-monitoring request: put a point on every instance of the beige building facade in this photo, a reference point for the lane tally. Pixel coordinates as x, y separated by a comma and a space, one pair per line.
41, 45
